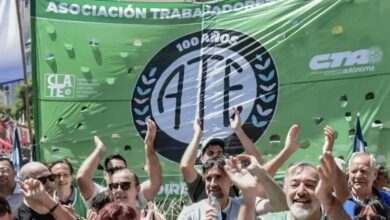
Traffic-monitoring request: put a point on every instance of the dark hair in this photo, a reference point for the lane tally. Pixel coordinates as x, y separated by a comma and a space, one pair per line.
376, 206
65, 161
101, 199
115, 156
4, 206
213, 142
9, 161
113, 210
128, 171
217, 161
382, 172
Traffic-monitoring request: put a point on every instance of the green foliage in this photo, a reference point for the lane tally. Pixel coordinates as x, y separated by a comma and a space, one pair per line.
18, 109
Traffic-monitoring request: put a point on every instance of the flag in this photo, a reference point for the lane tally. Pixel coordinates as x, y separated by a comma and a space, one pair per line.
16, 156
358, 141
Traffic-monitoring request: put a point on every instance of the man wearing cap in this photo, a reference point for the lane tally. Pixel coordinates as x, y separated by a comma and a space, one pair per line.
214, 146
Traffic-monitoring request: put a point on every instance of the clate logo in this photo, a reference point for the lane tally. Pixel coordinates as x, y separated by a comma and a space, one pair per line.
206, 74
59, 85
363, 60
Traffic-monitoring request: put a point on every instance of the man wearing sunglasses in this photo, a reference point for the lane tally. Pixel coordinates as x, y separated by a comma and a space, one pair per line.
35, 181
113, 163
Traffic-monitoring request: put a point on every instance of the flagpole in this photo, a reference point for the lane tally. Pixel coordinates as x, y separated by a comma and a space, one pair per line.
25, 76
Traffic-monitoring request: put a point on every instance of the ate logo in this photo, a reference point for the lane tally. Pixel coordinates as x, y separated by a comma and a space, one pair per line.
206, 74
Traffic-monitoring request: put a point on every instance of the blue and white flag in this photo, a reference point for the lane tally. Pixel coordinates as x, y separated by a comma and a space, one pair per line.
16, 155
358, 141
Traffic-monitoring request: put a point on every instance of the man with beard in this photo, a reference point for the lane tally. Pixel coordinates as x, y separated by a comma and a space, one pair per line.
306, 189
361, 176
220, 176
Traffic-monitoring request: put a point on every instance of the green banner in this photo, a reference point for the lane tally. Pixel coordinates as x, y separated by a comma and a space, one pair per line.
104, 67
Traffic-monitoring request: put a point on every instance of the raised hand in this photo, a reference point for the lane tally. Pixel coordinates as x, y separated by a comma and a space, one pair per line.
99, 144
235, 123
34, 192
292, 138
151, 133
324, 189
240, 170
330, 136
198, 126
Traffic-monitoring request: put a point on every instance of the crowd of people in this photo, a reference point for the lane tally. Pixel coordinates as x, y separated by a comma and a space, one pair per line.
242, 185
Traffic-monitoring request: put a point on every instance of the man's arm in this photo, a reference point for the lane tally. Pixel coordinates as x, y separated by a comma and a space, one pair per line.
88, 169
187, 163
246, 142
341, 189
247, 208
248, 179
41, 202
290, 146
332, 207
151, 187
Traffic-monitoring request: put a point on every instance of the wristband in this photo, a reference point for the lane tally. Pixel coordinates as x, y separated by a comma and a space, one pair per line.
54, 208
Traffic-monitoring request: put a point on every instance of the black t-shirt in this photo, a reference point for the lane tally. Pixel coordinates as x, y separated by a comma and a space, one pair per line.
23, 212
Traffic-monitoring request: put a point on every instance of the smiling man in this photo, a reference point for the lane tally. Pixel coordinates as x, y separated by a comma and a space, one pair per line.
305, 193
361, 176
125, 187
115, 162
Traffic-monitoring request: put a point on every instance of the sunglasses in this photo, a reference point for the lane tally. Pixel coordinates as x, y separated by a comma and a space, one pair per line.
43, 179
124, 185
112, 170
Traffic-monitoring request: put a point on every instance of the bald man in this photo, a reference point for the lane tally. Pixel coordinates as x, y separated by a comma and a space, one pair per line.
36, 183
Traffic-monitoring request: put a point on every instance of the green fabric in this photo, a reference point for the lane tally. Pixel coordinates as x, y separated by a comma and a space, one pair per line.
280, 216
274, 216
79, 206
104, 67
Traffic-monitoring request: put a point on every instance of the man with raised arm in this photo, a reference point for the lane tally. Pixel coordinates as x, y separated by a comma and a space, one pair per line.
308, 189
214, 146
248, 175
35, 182
112, 163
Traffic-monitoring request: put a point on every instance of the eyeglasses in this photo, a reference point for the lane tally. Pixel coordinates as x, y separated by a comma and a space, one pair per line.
5, 171
112, 170
124, 186
43, 179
